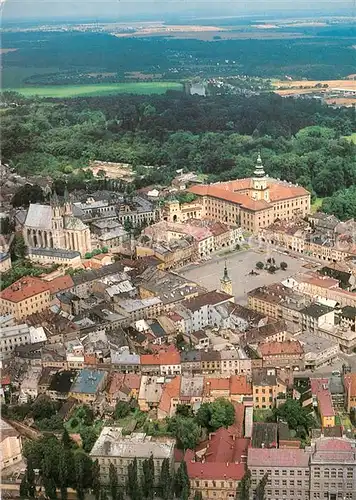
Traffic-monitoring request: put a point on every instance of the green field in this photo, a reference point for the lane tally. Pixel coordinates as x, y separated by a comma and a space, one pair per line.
98, 89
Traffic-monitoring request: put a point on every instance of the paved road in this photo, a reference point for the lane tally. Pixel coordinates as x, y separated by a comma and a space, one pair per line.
326, 371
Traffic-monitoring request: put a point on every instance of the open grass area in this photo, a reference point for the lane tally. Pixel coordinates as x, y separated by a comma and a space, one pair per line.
260, 415
316, 205
63, 91
345, 420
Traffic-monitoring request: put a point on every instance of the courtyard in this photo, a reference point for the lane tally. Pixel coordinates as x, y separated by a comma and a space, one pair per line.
239, 264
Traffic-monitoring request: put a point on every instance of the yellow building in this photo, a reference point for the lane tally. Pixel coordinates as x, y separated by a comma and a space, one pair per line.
253, 203
266, 387
28, 295
173, 211
10, 446
322, 396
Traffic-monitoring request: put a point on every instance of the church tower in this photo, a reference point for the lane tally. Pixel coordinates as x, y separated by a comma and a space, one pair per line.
259, 180
226, 283
57, 232
67, 203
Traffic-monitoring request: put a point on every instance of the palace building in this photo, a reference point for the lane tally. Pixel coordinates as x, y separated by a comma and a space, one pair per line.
253, 203
54, 226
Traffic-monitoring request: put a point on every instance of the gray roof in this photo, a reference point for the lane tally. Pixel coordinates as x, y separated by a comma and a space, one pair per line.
190, 356
115, 233
74, 223
316, 310
54, 252
112, 443
314, 344
39, 216
124, 358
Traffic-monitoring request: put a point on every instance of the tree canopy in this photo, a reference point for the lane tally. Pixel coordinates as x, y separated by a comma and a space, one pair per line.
294, 414
219, 413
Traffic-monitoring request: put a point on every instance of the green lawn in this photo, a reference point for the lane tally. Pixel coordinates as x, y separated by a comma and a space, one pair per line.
260, 415
316, 205
345, 420
98, 89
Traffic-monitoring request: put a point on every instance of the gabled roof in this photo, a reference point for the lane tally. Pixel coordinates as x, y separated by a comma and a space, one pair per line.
39, 216
280, 348
210, 298
162, 358
61, 283
24, 288
224, 457
286, 458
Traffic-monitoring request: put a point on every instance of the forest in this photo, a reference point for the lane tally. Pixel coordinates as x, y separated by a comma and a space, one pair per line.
300, 141
47, 58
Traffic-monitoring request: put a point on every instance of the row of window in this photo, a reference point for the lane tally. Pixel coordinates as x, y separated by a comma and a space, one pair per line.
276, 472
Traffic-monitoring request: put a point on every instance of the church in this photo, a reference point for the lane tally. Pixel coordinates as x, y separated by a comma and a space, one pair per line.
54, 226
253, 203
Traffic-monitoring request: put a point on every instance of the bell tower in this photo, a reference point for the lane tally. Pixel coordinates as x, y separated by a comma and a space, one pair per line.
226, 283
259, 182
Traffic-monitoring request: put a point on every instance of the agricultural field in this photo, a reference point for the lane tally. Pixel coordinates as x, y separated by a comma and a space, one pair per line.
288, 87
64, 91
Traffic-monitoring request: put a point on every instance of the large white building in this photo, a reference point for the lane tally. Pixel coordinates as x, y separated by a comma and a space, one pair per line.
112, 447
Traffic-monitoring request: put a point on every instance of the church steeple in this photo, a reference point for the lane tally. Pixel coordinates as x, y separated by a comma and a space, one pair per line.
259, 169
225, 282
54, 199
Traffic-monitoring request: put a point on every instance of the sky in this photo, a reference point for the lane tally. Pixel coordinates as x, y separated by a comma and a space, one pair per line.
134, 9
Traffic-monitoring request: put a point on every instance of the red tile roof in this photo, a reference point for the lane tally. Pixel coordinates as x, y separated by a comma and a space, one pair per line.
61, 283
224, 458
280, 191
170, 391
350, 383
204, 299
334, 444
216, 384
24, 288
243, 200
5, 380
277, 457
132, 381
237, 428
162, 358
235, 192
319, 388
279, 348
117, 379
240, 385
235, 384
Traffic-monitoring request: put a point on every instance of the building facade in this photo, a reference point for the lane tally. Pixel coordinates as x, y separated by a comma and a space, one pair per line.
54, 226
112, 447
253, 203
28, 295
